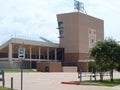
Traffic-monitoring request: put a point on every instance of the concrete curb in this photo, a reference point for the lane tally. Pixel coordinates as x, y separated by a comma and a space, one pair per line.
74, 83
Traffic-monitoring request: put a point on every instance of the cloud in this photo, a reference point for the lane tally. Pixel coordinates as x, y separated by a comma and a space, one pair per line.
30, 18
8, 25
37, 18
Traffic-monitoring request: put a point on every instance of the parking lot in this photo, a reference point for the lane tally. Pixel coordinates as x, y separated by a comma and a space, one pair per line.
51, 81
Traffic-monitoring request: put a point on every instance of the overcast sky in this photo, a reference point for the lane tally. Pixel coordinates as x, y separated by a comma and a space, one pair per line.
37, 18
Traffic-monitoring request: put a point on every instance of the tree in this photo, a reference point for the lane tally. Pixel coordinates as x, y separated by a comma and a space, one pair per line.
92, 66
118, 67
106, 55
118, 59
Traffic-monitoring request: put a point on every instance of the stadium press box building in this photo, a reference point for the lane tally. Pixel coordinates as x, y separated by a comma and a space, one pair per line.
78, 33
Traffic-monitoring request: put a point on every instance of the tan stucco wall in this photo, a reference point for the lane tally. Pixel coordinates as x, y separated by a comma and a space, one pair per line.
76, 38
75, 27
86, 23
70, 28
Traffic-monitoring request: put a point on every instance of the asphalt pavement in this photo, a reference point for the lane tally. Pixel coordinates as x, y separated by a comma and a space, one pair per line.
51, 81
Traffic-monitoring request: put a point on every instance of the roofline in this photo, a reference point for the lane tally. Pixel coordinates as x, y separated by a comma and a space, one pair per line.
33, 42
29, 42
81, 14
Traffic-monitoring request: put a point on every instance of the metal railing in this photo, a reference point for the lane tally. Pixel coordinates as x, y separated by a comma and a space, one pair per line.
20, 37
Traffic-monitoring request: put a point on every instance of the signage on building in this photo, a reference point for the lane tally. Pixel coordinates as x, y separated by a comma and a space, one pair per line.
92, 37
21, 53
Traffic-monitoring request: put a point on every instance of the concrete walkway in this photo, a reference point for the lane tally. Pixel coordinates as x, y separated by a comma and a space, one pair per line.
51, 81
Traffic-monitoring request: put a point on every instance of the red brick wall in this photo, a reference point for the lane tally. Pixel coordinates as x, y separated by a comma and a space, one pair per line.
72, 58
51, 66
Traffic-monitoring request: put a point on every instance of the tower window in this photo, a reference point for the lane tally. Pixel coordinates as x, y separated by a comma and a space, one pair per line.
60, 28
60, 24
61, 32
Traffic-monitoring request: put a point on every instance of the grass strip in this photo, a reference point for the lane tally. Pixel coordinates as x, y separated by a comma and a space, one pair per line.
4, 88
19, 70
107, 83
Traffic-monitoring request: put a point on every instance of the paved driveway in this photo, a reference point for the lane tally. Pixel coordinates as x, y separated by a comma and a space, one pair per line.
51, 81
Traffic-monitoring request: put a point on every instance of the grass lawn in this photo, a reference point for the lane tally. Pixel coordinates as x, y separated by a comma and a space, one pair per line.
19, 70
103, 83
4, 88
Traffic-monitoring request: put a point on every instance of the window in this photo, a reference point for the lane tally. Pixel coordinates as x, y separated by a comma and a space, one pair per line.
60, 24
60, 27
61, 32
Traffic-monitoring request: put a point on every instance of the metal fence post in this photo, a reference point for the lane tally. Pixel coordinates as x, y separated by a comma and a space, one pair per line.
90, 78
95, 76
80, 75
3, 78
11, 83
